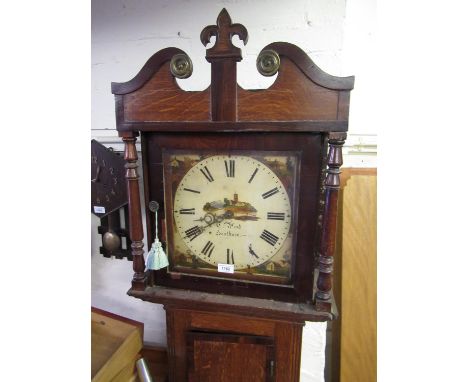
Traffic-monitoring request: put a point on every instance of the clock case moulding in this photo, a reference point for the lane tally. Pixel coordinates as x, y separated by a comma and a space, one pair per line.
304, 110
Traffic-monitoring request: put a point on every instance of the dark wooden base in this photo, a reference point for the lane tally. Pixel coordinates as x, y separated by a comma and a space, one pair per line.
252, 307
213, 337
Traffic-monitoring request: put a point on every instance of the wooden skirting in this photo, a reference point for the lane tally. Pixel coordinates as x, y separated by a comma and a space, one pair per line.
353, 348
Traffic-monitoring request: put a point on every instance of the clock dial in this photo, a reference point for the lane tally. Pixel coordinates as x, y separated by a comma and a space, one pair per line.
233, 209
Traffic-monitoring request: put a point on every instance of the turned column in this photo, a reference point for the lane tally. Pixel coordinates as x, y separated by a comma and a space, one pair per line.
324, 293
134, 210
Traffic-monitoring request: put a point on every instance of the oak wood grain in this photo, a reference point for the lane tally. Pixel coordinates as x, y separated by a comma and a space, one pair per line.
301, 92
218, 357
288, 351
310, 68
281, 339
177, 323
291, 97
232, 323
146, 73
161, 99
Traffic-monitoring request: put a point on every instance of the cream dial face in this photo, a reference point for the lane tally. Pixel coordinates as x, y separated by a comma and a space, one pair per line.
232, 210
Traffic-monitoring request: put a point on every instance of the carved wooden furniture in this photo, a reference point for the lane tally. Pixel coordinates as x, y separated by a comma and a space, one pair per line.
302, 118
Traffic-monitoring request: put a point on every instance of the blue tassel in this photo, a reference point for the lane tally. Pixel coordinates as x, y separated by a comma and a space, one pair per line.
157, 259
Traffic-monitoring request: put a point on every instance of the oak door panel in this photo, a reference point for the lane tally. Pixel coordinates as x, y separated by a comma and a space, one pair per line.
216, 357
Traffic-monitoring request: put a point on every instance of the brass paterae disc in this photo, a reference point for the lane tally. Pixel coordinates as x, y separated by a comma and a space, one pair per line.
181, 66
268, 62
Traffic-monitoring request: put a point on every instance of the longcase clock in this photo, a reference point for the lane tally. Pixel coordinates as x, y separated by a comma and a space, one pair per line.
247, 184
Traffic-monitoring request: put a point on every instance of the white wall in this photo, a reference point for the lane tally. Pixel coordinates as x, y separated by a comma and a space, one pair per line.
337, 35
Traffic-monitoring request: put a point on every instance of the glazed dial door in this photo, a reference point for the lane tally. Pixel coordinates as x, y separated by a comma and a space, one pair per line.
233, 210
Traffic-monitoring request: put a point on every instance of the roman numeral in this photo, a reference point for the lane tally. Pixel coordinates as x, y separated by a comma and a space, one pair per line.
208, 249
231, 168
253, 175
187, 211
269, 237
207, 173
190, 190
193, 232
270, 193
275, 215
229, 256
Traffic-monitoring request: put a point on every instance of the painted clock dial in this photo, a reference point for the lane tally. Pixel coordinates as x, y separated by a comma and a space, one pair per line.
234, 209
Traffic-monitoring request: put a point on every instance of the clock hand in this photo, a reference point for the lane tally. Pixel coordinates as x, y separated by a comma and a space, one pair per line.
96, 178
207, 218
210, 218
251, 251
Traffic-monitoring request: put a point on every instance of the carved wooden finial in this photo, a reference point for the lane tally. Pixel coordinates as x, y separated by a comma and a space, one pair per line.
224, 30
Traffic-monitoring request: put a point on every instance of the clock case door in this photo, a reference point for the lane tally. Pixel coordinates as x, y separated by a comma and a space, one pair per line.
312, 150
220, 356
